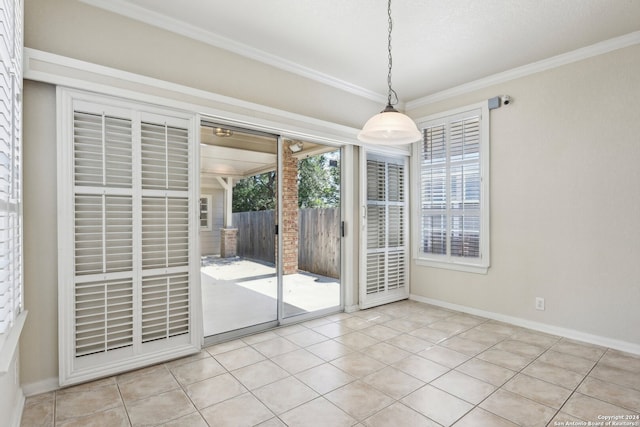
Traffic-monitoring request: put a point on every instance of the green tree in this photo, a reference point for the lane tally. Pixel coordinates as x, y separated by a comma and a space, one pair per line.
318, 186
256, 193
318, 182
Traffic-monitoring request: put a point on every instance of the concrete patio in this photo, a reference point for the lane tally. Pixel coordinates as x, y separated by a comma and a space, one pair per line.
238, 293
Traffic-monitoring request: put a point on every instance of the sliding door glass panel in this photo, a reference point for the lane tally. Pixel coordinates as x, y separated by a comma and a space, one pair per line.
311, 229
238, 175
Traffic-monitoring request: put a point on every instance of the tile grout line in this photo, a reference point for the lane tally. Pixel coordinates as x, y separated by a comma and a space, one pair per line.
499, 387
406, 316
576, 389
124, 405
496, 387
582, 381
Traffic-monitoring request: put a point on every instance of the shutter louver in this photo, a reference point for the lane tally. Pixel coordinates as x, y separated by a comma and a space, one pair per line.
6, 208
396, 261
130, 238
11, 279
386, 228
103, 234
165, 225
165, 231
102, 151
376, 183
165, 303
450, 188
434, 190
465, 188
165, 159
375, 273
104, 316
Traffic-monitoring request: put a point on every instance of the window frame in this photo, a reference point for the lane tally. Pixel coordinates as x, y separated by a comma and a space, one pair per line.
447, 261
12, 309
209, 200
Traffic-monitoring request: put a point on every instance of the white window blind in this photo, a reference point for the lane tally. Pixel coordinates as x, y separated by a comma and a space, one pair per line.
11, 278
386, 256
129, 206
453, 171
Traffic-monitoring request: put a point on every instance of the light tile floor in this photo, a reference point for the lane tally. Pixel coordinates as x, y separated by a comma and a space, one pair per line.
402, 364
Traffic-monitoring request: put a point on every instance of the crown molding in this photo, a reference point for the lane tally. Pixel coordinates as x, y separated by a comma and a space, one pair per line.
138, 13
533, 68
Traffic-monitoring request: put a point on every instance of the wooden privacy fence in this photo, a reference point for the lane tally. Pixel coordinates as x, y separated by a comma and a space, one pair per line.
256, 235
318, 238
319, 241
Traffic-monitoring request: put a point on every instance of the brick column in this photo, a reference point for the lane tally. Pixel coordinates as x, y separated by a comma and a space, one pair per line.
289, 212
228, 242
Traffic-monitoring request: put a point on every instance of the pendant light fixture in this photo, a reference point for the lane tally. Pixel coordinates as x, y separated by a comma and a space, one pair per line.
389, 127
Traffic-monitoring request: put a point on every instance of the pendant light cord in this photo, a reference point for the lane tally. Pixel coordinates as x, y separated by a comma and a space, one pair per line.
392, 98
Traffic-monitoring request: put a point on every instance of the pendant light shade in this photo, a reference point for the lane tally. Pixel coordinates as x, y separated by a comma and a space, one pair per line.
389, 127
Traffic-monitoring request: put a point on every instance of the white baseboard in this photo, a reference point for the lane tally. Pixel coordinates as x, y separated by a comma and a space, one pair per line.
44, 386
16, 417
537, 326
351, 308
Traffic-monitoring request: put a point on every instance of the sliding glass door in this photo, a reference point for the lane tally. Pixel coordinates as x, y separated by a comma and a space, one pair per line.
239, 276
269, 230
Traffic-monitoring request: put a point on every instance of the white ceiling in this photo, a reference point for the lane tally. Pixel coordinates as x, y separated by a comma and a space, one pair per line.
437, 44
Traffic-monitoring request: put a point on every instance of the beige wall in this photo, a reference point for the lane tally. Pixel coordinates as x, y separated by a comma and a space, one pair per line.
39, 342
565, 201
76, 30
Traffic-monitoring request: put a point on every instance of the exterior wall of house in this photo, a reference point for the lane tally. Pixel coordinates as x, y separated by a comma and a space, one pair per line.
290, 214
210, 239
565, 201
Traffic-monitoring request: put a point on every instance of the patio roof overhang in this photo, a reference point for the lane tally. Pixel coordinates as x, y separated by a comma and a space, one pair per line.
242, 155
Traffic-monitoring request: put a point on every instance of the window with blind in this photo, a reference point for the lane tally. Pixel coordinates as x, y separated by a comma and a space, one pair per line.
125, 229
452, 165
386, 252
11, 279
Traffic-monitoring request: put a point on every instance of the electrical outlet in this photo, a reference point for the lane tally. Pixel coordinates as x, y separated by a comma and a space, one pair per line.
539, 303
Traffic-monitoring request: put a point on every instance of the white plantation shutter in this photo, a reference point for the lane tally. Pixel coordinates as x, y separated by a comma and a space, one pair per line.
104, 316
386, 252
103, 233
165, 157
11, 279
165, 306
128, 285
165, 236
453, 164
